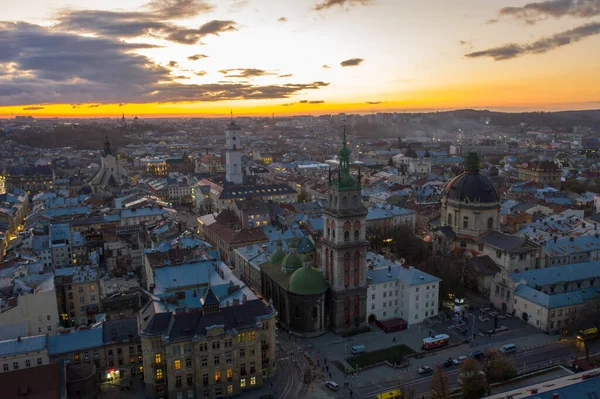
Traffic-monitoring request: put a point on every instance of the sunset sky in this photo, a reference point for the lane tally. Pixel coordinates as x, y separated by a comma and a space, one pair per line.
257, 57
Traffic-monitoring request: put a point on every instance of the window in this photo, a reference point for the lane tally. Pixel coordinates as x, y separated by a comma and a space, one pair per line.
216, 344
252, 380
16, 365
229, 374
190, 394
96, 354
216, 360
228, 358
229, 388
76, 357
86, 355
39, 361
159, 374
49, 328
465, 222
188, 363
490, 223
217, 376
242, 353
204, 362
157, 357
5, 366
178, 381
205, 379
27, 363
186, 348
177, 364
243, 382
206, 393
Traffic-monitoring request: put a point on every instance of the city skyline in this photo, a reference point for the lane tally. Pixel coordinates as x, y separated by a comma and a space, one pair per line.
263, 57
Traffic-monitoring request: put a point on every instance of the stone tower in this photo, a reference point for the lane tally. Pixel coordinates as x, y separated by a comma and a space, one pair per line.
233, 155
343, 253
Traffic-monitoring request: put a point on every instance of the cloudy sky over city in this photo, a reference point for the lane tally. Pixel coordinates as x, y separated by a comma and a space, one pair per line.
205, 57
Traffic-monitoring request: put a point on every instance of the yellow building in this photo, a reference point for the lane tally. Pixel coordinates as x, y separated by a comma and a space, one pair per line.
542, 172
219, 351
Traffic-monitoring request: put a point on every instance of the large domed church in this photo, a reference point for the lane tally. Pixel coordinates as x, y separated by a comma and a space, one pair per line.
470, 208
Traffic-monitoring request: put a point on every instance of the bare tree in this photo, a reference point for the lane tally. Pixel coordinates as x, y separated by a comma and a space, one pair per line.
440, 387
496, 367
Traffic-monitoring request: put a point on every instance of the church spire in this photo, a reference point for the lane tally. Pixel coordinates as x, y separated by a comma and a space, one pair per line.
107, 149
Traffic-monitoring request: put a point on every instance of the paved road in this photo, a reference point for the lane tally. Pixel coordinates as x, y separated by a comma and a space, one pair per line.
524, 360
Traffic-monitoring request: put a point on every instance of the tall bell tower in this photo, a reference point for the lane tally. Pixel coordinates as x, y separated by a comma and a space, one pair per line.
233, 155
344, 249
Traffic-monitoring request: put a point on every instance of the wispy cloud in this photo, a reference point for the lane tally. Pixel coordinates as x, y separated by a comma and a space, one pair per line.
492, 21
373, 102
282, 19
32, 108
244, 72
287, 75
351, 62
316, 102
197, 57
156, 21
325, 66
326, 4
531, 13
94, 105
172, 64
544, 45
200, 73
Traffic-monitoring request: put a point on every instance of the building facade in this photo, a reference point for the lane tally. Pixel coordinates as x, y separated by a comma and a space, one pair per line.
31, 179
542, 172
233, 154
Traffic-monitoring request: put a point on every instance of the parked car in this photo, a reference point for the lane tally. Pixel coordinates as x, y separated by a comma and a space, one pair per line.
459, 360
477, 355
448, 363
424, 370
332, 385
508, 348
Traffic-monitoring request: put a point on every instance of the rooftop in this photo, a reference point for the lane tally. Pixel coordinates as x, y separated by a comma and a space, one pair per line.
21, 345
75, 341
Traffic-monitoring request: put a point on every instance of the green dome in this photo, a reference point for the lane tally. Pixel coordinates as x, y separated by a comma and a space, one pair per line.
308, 258
344, 152
308, 281
277, 257
291, 262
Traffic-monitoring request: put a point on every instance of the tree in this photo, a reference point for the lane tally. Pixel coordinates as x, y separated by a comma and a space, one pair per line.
472, 379
303, 196
408, 391
440, 387
496, 367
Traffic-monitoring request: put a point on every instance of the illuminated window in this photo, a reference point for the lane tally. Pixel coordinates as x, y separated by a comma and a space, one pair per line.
229, 374
251, 336
159, 374
252, 380
158, 358
229, 388
76, 357
243, 382
217, 376
177, 364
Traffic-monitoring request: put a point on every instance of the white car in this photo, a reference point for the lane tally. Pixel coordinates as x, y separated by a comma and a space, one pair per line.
424, 370
459, 360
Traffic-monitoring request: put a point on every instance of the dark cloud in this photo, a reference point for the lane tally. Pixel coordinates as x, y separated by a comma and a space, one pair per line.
244, 72
154, 23
197, 57
287, 75
32, 108
492, 21
54, 67
287, 104
316, 102
373, 102
121, 104
341, 3
534, 12
94, 105
325, 66
282, 19
172, 64
351, 62
200, 73
464, 42
513, 50
74, 106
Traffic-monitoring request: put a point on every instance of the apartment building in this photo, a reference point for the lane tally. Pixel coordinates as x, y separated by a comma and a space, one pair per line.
78, 294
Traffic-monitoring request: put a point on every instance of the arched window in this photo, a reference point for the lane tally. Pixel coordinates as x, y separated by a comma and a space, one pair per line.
344, 201
346, 269
449, 220
315, 313
346, 236
347, 226
356, 268
356, 235
490, 224
297, 311
328, 232
355, 200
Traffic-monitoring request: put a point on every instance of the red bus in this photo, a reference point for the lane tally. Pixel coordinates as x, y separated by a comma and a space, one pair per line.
436, 341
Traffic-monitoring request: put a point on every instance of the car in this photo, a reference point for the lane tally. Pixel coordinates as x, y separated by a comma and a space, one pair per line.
459, 360
424, 370
447, 363
332, 385
477, 355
